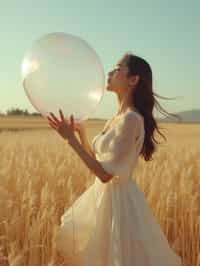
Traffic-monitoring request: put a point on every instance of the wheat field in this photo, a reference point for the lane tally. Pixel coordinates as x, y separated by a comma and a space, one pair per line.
41, 175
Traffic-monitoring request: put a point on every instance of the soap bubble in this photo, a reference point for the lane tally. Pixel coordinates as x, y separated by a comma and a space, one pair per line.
62, 71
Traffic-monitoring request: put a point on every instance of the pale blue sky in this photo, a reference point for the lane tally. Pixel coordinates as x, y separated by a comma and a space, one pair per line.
165, 33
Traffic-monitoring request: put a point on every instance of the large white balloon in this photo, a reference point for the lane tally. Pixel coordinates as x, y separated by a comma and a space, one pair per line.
62, 71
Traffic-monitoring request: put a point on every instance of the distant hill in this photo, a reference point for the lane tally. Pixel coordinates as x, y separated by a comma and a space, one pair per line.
190, 116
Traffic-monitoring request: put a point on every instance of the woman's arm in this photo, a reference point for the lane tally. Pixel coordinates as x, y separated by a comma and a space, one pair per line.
67, 132
84, 141
89, 160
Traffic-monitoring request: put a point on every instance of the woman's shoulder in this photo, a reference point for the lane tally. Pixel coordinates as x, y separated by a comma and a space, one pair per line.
133, 119
128, 120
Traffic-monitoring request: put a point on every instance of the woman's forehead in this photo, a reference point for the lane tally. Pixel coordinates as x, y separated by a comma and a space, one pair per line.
122, 61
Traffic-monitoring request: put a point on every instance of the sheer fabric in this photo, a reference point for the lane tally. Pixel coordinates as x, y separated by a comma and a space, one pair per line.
111, 224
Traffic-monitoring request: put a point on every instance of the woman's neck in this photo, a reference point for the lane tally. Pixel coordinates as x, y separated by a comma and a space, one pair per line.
125, 102
126, 106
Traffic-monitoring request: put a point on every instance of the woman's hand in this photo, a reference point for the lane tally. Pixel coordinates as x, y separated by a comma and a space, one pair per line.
79, 128
65, 129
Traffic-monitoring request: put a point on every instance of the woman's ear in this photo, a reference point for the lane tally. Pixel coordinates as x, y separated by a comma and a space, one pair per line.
134, 80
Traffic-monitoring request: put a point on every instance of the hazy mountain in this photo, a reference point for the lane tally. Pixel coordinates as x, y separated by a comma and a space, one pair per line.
190, 116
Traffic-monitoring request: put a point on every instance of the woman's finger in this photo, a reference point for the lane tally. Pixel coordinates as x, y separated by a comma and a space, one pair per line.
53, 125
51, 120
61, 115
54, 117
72, 121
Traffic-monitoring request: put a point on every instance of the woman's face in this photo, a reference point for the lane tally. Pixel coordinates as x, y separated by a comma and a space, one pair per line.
117, 78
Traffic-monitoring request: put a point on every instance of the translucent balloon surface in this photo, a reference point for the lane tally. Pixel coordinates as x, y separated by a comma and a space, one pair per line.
62, 71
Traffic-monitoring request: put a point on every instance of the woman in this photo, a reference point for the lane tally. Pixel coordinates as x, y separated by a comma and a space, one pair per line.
111, 224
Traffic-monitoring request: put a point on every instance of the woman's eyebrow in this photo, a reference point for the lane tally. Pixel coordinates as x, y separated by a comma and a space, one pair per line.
118, 65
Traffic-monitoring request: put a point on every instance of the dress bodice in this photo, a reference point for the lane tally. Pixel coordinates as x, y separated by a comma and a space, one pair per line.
118, 149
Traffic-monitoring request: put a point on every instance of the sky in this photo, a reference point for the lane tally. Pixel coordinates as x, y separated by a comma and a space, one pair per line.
164, 33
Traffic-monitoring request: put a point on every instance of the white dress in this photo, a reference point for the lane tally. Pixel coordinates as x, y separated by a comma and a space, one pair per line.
111, 224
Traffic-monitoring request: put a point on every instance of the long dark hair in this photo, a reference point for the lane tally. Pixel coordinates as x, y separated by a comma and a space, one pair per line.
144, 101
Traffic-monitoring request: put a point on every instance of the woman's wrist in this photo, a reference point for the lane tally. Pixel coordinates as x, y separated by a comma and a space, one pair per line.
82, 132
82, 136
72, 140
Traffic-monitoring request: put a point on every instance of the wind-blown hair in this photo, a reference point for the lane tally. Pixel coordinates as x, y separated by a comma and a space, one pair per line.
144, 101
